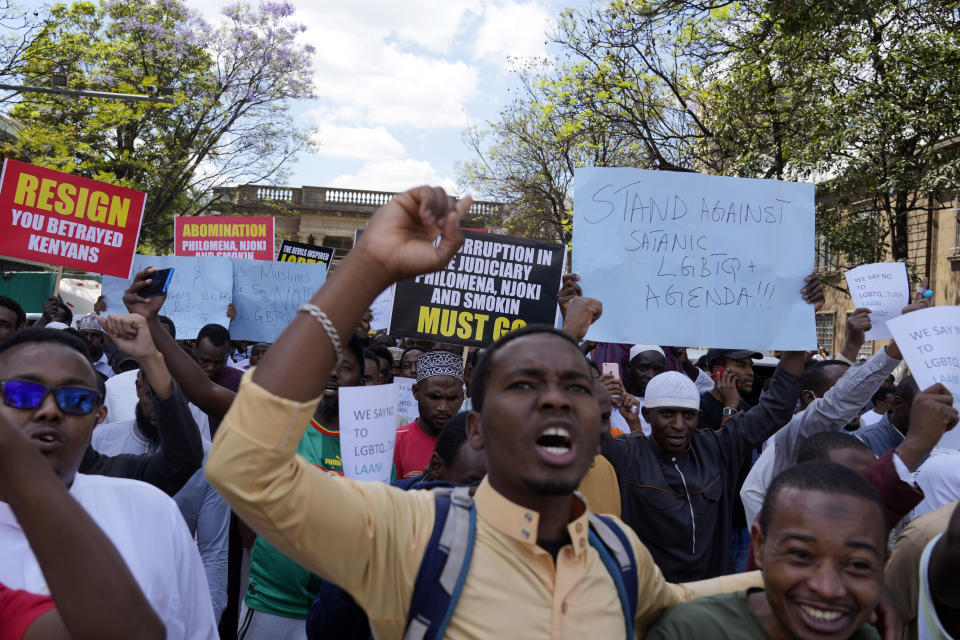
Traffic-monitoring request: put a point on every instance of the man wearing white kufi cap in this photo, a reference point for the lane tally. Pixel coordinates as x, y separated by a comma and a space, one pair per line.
646, 361
439, 394
679, 486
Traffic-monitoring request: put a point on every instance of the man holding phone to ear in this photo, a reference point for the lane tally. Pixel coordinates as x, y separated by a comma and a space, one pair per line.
732, 373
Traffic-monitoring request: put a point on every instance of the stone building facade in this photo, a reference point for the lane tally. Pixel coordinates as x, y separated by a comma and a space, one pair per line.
934, 253
325, 216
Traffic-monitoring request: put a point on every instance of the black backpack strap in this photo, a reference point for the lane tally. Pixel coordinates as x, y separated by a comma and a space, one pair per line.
445, 564
617, 555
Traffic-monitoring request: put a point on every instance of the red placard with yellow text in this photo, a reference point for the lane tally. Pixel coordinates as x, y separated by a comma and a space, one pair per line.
69, 221
248, 237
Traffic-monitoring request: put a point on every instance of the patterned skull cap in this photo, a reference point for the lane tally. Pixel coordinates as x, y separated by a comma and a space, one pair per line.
89, 322
439, 363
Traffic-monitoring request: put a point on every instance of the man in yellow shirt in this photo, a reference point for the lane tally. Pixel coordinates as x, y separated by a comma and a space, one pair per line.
533, 573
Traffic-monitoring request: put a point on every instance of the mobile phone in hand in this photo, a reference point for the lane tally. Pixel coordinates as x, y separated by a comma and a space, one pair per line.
719, 371
612, 368
161, 280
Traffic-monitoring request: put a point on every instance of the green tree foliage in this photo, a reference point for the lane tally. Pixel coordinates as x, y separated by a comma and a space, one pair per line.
886, 139
858, 97
527, 157
231, 83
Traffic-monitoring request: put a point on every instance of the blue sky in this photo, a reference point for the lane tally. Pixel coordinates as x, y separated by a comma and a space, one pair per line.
399, 80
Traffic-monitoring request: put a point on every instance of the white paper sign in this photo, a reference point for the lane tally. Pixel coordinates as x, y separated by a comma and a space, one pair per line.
688, 258
884, 289
382, 308
368, 428
407, 405
930, 342
200, 290
267, 295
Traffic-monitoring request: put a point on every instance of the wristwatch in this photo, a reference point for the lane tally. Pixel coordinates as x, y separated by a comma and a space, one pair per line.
729, 411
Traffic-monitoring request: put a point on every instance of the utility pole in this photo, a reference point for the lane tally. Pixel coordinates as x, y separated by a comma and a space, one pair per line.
127, 97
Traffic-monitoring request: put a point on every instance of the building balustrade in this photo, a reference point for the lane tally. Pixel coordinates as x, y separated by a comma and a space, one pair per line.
322, 198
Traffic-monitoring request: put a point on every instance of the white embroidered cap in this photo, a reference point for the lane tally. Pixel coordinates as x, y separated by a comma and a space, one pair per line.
637, 349
672, 389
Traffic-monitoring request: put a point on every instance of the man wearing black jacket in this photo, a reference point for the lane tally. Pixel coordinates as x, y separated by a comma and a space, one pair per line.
679, 486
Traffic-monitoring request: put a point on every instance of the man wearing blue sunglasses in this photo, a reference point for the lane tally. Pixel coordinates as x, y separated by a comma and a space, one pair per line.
49, 392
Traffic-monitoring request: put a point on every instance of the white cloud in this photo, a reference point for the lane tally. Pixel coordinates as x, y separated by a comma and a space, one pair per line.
514, 29
365, 143
430, 24
410, 63
392, 63
387, 71
393, 87
394, 175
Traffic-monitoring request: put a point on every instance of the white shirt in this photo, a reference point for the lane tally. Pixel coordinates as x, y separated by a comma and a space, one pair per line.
939, 478
869, 418
838, 407
103, 366
121, 403
205, 512
929, 626
146, 528
754, 487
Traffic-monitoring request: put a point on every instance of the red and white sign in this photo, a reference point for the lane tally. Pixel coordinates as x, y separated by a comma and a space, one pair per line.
228, 236
69, 221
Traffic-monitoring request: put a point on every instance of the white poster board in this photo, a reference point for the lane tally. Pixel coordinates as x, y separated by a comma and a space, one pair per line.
368, 428
406, 404
930, 342
199, 291
267, 295
694, 259
382, 307
884, 289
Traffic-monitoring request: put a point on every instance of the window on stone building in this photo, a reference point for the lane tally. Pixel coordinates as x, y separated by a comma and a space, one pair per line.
956, 223
825, 331
338, 242
826, 258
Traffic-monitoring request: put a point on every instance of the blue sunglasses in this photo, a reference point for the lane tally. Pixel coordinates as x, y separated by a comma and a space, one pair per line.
74, 401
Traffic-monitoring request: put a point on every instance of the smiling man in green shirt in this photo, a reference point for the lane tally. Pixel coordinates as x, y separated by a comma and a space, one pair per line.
820, 544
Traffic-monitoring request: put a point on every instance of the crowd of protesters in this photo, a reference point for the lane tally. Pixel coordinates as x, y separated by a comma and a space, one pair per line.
550, 487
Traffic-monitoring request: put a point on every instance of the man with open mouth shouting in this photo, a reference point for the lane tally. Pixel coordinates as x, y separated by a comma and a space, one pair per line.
49, 392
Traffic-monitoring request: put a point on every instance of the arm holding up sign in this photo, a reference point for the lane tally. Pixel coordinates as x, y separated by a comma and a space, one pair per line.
579, 314
931, 415
743, 432
857, 326
212, 399
253, 462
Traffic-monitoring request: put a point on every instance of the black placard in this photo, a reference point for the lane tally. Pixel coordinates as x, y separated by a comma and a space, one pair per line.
303, 252
493, 284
